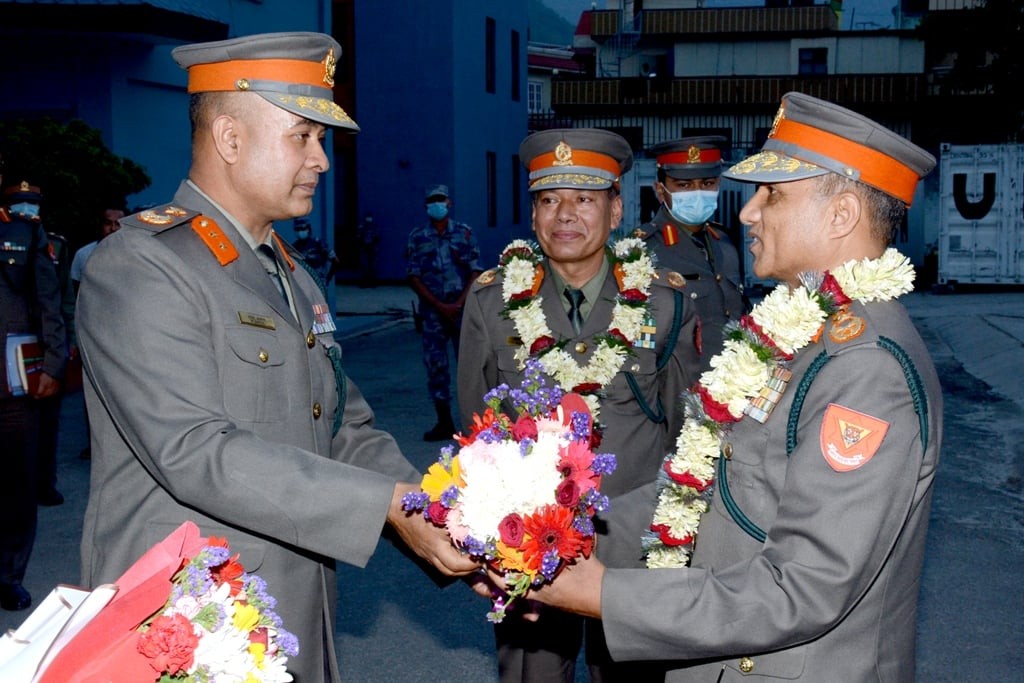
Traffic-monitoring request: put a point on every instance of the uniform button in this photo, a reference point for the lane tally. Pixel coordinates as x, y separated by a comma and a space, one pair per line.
727, 450
581, 347
718, 277
635, 367
728, 313
693, 295
317, 411
10, 261
310, 339
263, 356
746, 665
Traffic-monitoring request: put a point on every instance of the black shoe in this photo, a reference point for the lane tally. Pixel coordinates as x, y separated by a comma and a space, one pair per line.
13, 597
85, 454
51, 497
440, 432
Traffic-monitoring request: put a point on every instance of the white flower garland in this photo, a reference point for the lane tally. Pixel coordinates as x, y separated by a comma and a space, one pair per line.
782, 324
522, 270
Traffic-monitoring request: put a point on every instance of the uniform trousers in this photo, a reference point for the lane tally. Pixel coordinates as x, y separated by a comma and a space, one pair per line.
437, 332
19, 434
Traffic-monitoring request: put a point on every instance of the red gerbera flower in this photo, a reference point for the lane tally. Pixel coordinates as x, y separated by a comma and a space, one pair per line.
479, 424
550, 528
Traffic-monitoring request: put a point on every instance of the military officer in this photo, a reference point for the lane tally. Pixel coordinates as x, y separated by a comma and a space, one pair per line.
30, 319
687, 241
574, 178
807, 565
215, 387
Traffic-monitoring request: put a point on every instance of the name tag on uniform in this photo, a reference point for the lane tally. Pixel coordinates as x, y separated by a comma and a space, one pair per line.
323, 321
256, 320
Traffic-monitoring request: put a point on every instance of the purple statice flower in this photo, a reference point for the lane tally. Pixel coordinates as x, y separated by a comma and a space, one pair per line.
415, 501
193, 580
450, 496
583, 524
580, 425
473, 546
495, 396
256, 589
549, 565
447, 454
604, 463
521, 400
213, 556
492, 435
288, 642
525, 446
497, 613
211, 616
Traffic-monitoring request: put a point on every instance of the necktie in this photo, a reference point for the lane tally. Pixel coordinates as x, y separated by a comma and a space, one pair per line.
575, 299
270, 264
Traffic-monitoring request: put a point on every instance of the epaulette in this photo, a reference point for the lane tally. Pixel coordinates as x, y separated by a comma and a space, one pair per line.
4, 216
643, 231
669, 278
159, 218
486, 278
850, 326
713, 229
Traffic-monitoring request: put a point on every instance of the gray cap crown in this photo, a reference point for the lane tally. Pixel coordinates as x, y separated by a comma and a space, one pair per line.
698, 156
575, 158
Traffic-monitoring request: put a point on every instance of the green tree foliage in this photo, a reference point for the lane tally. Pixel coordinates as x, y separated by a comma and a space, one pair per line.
983, 48
79, 176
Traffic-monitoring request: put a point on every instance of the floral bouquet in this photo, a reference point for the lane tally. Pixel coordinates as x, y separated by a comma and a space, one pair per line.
521, 492
217, 625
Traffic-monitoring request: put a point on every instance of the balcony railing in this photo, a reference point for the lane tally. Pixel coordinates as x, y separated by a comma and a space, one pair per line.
735, 91
606, 23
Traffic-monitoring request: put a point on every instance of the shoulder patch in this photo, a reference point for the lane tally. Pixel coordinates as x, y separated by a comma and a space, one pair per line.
159, 218
850, 438
672, 278
845, 326
214, 239
487, 277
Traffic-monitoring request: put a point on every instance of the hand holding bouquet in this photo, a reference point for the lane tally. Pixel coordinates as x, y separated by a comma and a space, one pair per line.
521, 492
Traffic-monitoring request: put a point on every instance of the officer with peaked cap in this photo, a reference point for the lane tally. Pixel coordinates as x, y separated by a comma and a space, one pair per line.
807, 564
574, 180
687, 241
30, 320
216, 392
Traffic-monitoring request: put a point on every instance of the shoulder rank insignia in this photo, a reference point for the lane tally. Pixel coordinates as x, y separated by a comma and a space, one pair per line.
215, 240
850, 438
670, 235
164, 216
486, 277
846, 326
675, 279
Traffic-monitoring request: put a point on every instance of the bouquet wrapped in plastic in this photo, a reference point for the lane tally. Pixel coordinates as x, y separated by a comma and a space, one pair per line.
521, 491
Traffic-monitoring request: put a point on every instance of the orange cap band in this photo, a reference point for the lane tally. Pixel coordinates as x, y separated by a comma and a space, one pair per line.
706, 156
580, 157
876, 169
223, 76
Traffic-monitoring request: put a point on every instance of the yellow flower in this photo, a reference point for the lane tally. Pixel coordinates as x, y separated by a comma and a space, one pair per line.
437, 480
512, 559
246, 617
258, 651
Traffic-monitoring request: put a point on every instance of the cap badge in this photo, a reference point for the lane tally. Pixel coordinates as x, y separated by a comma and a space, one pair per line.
24, 187
693, 155
563, 154
330, 64
779, 115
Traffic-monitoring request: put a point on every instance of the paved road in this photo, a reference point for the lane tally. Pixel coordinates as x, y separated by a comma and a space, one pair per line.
394, 624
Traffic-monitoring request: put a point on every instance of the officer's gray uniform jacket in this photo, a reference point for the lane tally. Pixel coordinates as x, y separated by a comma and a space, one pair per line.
716, 291
209, 402
830, 594
641, 422
30, 300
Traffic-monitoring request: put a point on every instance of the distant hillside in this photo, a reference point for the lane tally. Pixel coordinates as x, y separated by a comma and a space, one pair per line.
547, 26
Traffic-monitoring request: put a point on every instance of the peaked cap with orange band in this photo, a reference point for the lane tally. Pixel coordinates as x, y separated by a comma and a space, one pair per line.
688, 158
294, 71
575, 158
812, 137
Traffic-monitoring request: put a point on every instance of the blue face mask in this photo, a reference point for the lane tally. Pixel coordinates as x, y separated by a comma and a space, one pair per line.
694, 207
437, 210
25, 209
301, 234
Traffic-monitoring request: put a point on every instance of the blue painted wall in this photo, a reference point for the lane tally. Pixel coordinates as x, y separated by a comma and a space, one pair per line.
427, 118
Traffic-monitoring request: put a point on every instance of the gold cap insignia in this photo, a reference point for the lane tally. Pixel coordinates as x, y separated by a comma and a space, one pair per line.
563, 154
330, 64
693, 154
779, 115
24, 187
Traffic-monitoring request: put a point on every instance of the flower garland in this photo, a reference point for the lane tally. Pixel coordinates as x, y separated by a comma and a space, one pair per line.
523, 272
756, 347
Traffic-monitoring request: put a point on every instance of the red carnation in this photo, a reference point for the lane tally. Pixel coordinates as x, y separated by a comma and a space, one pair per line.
170, 643
616, 333
719, 412
541, 344
511, 530
519, 296
567, 493
586, 388
830, 286
667, 538
685, 479
633, 296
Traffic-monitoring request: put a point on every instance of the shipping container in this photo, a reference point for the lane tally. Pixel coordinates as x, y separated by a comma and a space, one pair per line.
981, 215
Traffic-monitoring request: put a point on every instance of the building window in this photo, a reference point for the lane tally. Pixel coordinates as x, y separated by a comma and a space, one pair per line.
813, 61
517, 191
489, 55
535, 97
516, 85
492, 189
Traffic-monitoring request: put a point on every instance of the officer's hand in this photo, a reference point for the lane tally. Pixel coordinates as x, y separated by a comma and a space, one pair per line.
426, 540
48, 386
577, 588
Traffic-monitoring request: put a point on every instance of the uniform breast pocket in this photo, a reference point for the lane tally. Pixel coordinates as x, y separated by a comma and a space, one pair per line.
635, 387
254, 381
